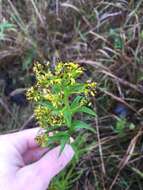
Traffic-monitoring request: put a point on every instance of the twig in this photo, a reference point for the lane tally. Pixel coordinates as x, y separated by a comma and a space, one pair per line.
124, 82
29, 120
37, 12
5, 106
17, 91
118, 99
100, 151
127, 156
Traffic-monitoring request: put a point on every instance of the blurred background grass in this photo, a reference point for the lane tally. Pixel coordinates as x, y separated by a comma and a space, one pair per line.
106, 37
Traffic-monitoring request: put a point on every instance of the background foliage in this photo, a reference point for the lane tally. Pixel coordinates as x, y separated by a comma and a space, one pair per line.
106, 37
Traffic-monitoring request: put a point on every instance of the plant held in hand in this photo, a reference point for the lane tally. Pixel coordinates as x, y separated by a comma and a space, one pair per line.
58, 96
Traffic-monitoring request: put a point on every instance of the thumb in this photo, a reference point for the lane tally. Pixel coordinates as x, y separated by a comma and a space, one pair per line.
47, 167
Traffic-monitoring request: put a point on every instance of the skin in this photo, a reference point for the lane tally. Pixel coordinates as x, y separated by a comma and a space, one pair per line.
23, 165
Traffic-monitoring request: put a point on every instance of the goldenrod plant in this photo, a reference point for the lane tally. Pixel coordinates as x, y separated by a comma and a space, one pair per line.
59, 96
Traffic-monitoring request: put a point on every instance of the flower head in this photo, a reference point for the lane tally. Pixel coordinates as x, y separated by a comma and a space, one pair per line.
54, 92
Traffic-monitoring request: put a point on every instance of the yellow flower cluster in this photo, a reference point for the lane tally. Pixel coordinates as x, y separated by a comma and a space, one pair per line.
42, 139
33, 94
46, 117
68, 72
90, 88
68, 67
53, 98
51, 86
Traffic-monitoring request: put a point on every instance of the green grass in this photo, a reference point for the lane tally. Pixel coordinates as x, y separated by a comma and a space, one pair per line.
106, 37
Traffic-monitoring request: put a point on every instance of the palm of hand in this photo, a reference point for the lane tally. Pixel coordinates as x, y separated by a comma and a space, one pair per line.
24, 165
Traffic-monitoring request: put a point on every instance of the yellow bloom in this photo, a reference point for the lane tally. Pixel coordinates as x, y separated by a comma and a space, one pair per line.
57, 81
50, 89
42, 140
37, 67
30, 93
48, 96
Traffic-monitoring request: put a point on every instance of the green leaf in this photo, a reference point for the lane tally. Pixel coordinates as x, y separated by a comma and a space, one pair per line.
82, 125
57, 136
56, 88
52, 128
67, 117
132, 126
120, 125
78, 145
87, 110
76, 102
63, 142
76, 88
76, 151
46, 104
61, 138
6, 26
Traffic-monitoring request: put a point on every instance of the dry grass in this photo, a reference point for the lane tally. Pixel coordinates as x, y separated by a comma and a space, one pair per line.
107, 38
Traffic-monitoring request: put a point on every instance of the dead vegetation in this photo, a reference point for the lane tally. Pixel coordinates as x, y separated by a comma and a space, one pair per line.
107, 38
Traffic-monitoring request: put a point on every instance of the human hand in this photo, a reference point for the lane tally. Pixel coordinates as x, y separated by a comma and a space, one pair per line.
24, 165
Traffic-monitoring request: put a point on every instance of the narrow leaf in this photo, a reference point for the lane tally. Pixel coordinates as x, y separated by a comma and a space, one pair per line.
87, 110
46, 104
76, 88
82, 125
63, 142
68, 117
76, 102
